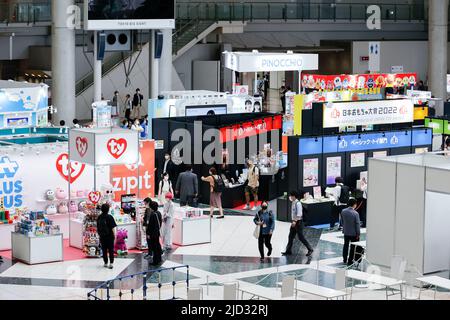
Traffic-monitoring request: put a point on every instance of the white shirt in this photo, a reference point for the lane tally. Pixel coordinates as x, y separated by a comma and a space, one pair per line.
137, 128
337, 194
296, 210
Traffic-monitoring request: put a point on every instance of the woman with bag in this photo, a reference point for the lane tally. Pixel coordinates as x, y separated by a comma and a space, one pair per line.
265, 224
217, 186
165, 186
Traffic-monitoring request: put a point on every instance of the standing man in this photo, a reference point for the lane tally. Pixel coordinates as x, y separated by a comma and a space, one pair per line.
106, 228
187, 187
137, 103
252, 185
351, 230
128, 107
297, 225
153, 227
341, 194
169, 167
115, 104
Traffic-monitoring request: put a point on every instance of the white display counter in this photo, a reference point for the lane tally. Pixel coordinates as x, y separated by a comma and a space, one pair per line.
5, 236
35, 250
190, 231
76, 234
61, 220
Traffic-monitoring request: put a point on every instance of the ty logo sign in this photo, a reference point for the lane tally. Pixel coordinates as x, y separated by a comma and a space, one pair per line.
75, 171
117, 147
94, 196
82, 146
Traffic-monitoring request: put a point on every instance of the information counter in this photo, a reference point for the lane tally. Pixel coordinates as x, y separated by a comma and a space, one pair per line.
191, 227
318, 211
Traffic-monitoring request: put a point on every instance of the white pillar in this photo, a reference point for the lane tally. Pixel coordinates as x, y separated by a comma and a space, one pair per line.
154, 69
63, 61
97, 71
437, 53
165, 63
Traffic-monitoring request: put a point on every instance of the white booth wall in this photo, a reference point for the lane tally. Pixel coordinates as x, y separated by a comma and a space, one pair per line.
408, 212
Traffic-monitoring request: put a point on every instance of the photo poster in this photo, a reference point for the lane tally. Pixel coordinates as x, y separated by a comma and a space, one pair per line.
310, 172
317, 191
334, 165
379, 154
357, 160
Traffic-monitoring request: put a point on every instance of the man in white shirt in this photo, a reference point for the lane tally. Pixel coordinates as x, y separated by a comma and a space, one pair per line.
297, 225
340, 194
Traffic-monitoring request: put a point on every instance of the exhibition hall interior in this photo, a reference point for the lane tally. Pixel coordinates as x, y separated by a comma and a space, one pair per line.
224, 150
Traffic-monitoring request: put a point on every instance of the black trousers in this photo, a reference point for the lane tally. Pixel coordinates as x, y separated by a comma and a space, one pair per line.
348, 259
264, 239
297, 230
107, 245
155, 246
189, 201
128, 114
335, 214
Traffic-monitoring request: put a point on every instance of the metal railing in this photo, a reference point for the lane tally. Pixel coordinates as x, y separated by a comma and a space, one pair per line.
142, 277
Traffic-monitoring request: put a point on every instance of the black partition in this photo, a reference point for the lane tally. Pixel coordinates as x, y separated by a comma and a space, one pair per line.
352, 171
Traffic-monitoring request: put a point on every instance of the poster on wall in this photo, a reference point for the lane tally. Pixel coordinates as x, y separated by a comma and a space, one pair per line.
379, 154
334, 165
310, 172
136, 179
357, 160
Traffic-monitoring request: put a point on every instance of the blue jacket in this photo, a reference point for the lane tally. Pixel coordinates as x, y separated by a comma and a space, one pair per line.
269, 221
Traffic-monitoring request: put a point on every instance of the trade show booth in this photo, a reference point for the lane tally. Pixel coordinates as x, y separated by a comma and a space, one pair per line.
408, 212
239, 137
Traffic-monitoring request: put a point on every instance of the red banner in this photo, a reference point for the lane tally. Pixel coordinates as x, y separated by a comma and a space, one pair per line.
249, 129
358, 81
125, 180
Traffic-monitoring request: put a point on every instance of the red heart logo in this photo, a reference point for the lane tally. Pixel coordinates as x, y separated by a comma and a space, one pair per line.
82, 146
94, 196
117, 147
62, 166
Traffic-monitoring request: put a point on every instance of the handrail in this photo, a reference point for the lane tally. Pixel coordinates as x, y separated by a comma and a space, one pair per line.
107, 284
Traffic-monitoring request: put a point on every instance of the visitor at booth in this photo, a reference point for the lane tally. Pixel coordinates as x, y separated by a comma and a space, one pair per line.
297, 225
168, 212
76, 123
137, 103
115, 104
252, 185
128, 106
217, 186
137, 126
106, 228
265, 219
283, 98
446, 146
187, 187
143, 133
124, 124
145, 220
153, 225
169, 168
351, 230
421, 86
165, 186
341, 195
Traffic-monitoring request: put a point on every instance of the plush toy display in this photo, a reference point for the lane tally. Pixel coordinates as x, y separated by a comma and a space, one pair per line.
120, 247
62, 208
73, 207
61, 194
73, 193
50, 195
51, 209
107, 191
80, 194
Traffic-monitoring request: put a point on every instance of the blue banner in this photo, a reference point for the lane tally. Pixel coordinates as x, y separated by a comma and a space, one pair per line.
422, 137
309, 146
374, 141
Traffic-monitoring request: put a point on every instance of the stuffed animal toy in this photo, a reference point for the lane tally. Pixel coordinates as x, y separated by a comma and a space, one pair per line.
120, 247
61, 194
81, 205
73, 207
73, 193
50, 195
62, 208
51, 209
107, 191
80, 194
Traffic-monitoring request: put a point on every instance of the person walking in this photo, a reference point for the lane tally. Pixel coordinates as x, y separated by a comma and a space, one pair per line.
283, 98
187, 187
252, 185
153, 227
217, 186
106, 228
297, 225
265, 219
128, 107
341, 194
137, 103
165, 186
167, 218
115, 104
351, 230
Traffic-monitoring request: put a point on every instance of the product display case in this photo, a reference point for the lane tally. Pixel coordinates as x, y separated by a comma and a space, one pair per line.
191, 227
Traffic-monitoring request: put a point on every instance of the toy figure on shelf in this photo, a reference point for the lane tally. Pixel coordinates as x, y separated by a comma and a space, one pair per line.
107, 191
91, 239
120, 247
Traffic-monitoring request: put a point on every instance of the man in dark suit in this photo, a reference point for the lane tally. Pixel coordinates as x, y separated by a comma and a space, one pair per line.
152, 223
187, 186
169, 167
137, 103
351, 230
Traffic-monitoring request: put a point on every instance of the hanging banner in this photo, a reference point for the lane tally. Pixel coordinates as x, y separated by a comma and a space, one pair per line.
249, 129
358, 81
342, 114
129, 179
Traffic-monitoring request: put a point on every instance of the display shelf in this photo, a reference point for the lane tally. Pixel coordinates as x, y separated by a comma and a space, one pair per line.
5, 236
35, 250
59, 200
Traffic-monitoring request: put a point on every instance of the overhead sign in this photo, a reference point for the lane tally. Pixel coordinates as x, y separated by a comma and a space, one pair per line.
309, 146
259, 62
342, 114
396, 69
251, 128
374, 141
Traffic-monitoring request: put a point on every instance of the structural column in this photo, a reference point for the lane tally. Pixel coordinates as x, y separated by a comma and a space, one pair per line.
165, 63
154, 69
63, 60
437, 50
97, 71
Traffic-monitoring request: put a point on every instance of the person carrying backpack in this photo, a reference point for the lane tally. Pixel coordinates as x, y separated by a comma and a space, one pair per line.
342, 196
106, 228
217, 186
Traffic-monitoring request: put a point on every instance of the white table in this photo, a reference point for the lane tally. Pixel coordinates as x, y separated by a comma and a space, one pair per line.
319, 291
5, 236
190, 231
35, 250
261, 292
435, 282
375, 279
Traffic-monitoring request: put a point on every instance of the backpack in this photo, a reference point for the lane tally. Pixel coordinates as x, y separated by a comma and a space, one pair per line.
219, 186
102, 227
345, 195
